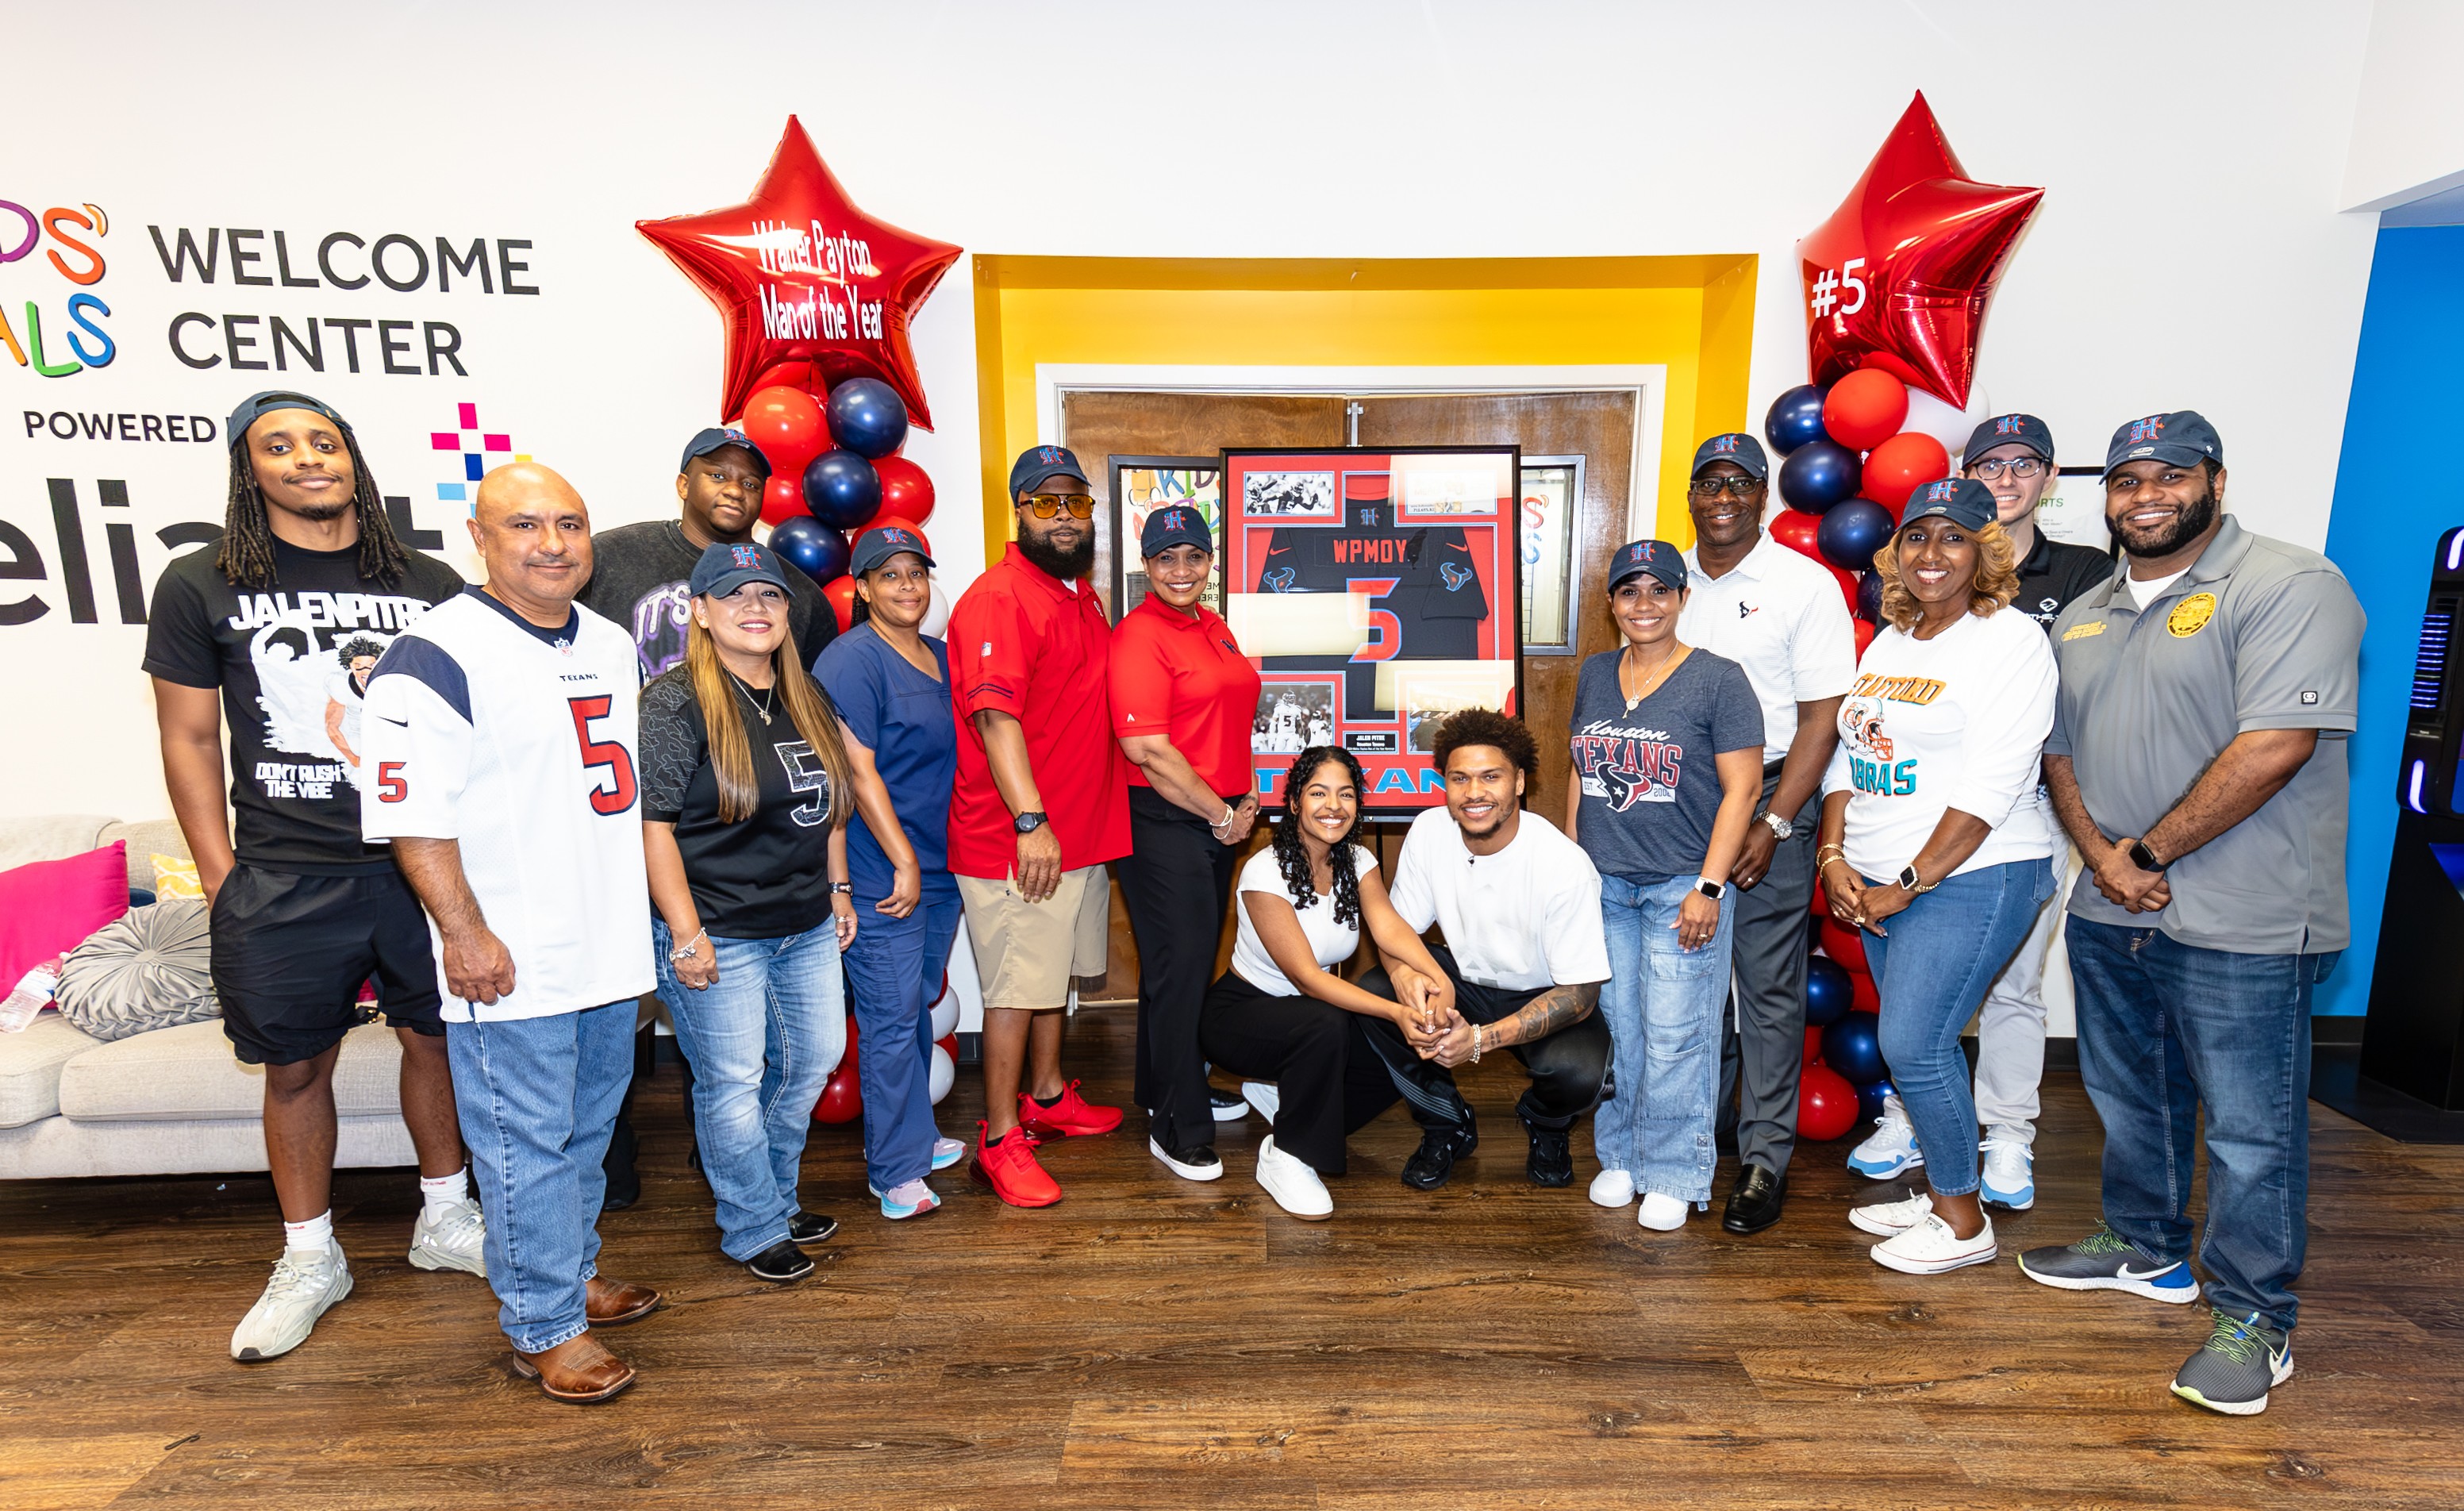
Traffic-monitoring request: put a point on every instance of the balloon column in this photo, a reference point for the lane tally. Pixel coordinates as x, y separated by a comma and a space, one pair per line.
1845, 1079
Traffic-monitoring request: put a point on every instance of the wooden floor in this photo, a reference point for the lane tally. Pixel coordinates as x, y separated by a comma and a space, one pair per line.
1153, 1343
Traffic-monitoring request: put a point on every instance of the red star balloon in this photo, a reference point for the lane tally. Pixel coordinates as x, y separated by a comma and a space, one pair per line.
813, 291
1900, 275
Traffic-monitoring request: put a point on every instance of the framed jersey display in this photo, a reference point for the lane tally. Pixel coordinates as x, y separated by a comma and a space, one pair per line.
1378, 591
1142, 485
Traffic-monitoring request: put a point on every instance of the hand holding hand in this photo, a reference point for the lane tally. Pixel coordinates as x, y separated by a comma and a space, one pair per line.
1754, 860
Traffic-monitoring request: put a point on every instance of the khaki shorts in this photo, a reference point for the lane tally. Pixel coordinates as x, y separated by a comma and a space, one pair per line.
1026, 953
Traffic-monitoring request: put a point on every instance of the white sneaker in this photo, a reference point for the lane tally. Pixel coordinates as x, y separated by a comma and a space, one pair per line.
1660, 1213
1929, 1248
453, 1242
1264, 1097
1294, 1186
1892, 1217
1194, 1164
1891, 1149
304, 1284
1611, 1188
2009, 1173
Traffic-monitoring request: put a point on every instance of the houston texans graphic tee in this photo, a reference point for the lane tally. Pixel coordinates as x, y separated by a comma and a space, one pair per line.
1650, 784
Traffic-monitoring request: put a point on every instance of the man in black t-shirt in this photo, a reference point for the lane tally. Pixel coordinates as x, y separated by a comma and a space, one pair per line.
275, 628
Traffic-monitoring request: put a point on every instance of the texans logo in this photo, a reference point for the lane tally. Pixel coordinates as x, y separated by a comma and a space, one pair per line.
1624, 788
1279, 580
1456, 575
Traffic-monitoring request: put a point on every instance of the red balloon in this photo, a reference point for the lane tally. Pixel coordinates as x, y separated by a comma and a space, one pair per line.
1864, 631
891, 521
1864, 995
787, 425
1821, 908
842, 1098
839, 591
1865, 408
1826, 1103
810, 290
1813, 1045
906, 492
782, 498
1900, 466
1900, 276
1847, 582
1794, 528
1845, 945
950, 1042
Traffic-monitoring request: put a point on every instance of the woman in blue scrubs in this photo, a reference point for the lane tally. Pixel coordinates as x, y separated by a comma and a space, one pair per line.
892, 684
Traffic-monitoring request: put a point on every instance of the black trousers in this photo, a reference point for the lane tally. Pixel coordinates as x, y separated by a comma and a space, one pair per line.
1569, 1068
1333, 1068
1177, 880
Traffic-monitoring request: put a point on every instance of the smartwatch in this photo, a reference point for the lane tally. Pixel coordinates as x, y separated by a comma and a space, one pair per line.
1028, 822
1779, 825
2143, 858
1714, 891
1911, 882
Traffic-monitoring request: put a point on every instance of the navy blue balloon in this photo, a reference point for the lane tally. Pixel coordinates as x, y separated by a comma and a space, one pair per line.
1852, 1047
1869, 598
1850, 532
1795, 418
810, 546
1826, 991
1818, 474
842, 489
867, 418
1869, 1099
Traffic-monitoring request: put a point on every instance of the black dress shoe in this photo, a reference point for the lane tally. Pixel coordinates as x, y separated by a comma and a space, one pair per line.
780, 1262
1754, 1201
811, 1227
1433, 1164
1553, 1157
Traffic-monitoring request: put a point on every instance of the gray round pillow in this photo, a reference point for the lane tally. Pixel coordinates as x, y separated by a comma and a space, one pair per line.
149, 970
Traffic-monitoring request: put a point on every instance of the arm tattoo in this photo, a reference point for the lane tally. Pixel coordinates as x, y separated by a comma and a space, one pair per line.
1544, 1015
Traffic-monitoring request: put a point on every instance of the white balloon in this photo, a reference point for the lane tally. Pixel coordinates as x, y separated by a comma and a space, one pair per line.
937, 619
945, 1070
945, 1016
1950, 427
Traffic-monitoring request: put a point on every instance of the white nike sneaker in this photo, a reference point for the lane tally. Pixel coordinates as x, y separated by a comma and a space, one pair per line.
2009, 1173
304, 1284
1891, 1149
1661, 1214
1264, 1097
1892, 1217
1930, 1248
1611, 1188
1294, 1186
453, 1242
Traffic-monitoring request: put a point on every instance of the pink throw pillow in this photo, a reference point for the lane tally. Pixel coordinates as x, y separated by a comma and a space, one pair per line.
49, 906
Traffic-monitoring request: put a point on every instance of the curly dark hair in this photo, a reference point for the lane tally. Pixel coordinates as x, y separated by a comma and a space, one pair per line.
1291, 856
358, 646
1465, 727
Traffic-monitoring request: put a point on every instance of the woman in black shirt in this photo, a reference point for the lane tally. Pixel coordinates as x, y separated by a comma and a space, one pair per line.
743, 769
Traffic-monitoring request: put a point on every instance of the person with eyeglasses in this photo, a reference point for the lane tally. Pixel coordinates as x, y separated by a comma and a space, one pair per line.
2012, 456
1041, 805
1780, 615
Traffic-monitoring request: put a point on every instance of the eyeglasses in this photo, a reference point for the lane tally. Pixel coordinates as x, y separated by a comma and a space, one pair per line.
1043, 506
1991, 471
1710, 488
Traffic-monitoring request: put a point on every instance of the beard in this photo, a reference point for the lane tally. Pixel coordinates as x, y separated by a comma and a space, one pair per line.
2195, 517
1075, 562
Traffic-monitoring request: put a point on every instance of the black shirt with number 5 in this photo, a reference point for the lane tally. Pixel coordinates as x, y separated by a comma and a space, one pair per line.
766, 876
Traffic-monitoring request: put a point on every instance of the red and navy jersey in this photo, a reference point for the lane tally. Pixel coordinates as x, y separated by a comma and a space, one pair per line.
1424, 575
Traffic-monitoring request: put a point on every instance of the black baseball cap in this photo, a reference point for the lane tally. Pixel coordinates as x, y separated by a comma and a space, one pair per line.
1039, 465
1179, 525
2009, 429
258, 406
880, 543
723, 568
1654, 557
705, 442
1737, 446
2184, 438
1964, 501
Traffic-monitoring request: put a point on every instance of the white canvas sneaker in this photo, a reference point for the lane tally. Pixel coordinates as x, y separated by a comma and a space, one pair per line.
1891, 1218
1929, 1248
1294, 1186
1611, 1188
453, 1242
1891, 1149
304, 1284
1264, 1097
1660, 1213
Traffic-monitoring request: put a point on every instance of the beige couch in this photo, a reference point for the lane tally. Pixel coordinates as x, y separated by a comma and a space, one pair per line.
172, 1102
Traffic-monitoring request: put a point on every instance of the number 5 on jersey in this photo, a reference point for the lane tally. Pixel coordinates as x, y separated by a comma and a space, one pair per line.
603, 753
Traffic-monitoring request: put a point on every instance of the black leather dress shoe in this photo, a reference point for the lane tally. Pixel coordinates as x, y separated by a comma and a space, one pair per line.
811, 1227
1553, 1157
1754, 1201
1433, 1164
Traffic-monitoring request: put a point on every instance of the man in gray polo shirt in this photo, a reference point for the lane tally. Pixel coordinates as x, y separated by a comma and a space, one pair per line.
2197, 759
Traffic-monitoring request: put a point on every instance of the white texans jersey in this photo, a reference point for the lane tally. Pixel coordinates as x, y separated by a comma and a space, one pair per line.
519, 743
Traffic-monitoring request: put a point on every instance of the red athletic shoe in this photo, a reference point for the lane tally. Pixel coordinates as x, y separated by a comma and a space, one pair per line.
1073, 1116
1008, 1167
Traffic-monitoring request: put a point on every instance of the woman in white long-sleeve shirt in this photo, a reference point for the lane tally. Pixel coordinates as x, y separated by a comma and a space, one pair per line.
1936, 838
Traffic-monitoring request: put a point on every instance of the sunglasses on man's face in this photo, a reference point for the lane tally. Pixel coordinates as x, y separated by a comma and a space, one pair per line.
1043, 506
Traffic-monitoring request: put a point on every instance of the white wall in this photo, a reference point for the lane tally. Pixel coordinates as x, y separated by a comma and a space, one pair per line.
2407, 136
2187, 254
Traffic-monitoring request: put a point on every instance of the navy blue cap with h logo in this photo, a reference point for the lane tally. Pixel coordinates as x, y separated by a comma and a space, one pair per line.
1656, 558
1737, 446
2184, 438
1964, 501
1179, 525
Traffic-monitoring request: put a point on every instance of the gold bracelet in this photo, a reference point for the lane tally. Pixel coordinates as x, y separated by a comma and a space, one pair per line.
1474, 1043
1836, 851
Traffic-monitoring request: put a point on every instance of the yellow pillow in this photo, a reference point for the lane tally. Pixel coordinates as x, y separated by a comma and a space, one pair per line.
174, 877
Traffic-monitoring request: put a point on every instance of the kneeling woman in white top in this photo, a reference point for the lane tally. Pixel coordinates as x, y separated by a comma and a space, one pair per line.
1936, 840
1280, 1014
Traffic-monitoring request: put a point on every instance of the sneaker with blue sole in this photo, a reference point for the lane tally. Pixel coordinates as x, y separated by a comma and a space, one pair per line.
912, 1199
1891, 1150
2233, 1371
2104, 1261
946, 1152
2009, 1174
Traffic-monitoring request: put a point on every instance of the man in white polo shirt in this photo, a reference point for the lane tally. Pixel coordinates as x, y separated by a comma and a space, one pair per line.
1524, 953
501, 759
1781, 617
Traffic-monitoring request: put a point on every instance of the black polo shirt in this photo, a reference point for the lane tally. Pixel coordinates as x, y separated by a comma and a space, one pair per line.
2055, 572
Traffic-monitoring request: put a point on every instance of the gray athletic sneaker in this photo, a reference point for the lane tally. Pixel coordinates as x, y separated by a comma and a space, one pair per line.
2233, 1370
304, 1284
2104, 1261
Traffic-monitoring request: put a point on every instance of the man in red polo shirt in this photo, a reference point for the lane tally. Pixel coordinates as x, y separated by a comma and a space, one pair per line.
1042, 802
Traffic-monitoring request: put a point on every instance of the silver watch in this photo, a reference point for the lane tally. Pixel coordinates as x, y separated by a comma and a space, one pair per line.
1779, 825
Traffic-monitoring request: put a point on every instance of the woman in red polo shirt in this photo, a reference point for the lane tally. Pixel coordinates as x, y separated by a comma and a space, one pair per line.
1183, 699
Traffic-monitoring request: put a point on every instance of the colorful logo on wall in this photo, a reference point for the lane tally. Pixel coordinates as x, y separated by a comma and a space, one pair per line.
478, 450
25, 339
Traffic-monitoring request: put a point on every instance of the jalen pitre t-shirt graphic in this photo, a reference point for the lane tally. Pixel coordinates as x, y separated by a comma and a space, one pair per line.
312, 653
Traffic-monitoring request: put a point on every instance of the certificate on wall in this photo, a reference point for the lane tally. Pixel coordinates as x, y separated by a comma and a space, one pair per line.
1141, 485
1553, 491
1376, 592
2073, 509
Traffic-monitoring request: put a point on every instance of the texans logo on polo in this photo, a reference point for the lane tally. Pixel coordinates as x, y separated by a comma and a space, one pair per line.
1280, 580
1456, 575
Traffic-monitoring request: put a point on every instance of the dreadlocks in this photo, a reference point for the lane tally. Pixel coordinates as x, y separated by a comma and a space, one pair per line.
245, 557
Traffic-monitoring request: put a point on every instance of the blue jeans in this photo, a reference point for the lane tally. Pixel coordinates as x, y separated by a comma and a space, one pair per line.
1662, 1006
537, 1099
2165, 1027
895, 968
763, 1039
1933, 969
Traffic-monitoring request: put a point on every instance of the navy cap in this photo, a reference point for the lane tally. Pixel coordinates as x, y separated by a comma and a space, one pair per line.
1735, 447
2009, 429
1655, 558
2184, 438
1964, 501
705, 442
880, 543
723, 568
258, 406
1179, 525
1039, 465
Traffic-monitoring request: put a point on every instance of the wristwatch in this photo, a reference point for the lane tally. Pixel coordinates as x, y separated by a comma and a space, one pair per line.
1911, 882
1028, 822
849, 887
2143, 858
1714, 891
1779, 825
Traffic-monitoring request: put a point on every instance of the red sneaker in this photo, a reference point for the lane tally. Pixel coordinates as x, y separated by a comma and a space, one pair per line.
1008, 1167
1073, 1116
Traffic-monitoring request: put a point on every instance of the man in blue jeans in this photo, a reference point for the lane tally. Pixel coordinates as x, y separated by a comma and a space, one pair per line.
2197, 760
